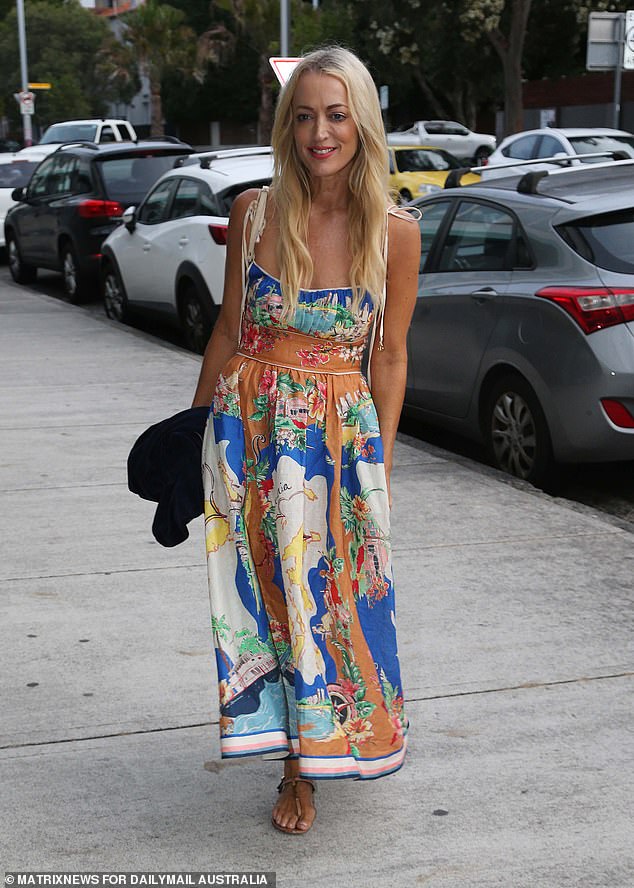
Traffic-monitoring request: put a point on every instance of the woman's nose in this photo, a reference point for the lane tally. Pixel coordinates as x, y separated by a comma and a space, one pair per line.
321, 126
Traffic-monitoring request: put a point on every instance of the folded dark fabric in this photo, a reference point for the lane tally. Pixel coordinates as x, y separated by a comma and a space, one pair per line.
164, 466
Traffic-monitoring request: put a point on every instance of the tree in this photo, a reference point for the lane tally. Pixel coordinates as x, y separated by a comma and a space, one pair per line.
159, 41
63, 42
504, 22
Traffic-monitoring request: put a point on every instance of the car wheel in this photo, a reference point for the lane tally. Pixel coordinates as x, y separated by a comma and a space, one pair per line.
115, 300
516, 432
75, 281
20, 271
481, 156
196, 320
406, 195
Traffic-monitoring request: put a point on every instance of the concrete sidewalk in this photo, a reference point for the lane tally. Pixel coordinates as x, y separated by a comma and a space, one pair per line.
515, 624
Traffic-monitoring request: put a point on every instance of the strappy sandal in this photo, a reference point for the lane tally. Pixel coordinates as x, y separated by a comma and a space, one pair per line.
293, 781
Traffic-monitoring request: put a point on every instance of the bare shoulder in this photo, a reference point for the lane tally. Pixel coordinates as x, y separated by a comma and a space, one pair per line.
403, 235
241, 204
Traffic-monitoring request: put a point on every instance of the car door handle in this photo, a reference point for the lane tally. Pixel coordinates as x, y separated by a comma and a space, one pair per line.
484, 295
183, 241
146, 248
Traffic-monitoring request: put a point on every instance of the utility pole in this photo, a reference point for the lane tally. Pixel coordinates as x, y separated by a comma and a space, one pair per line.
26, 118
284, 28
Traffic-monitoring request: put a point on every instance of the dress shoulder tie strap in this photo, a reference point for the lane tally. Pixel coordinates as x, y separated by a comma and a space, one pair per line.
256, 217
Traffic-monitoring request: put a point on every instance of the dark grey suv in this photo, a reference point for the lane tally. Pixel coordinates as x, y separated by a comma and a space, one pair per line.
523, 333
75, 198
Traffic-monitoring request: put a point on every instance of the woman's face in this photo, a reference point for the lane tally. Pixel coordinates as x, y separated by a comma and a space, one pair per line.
326, 136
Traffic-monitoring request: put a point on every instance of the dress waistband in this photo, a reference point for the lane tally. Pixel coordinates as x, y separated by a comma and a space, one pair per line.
299, 351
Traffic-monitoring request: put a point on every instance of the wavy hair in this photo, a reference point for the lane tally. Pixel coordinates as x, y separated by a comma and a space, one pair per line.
367, 182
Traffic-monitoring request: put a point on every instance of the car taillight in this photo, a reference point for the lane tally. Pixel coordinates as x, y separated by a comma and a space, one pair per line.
593, 308
96, 209
219, 233
618, 413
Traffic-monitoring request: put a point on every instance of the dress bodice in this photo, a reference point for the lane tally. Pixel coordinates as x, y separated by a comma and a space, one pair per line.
324, 313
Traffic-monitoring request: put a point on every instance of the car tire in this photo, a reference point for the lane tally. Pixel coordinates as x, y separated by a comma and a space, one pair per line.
75, 281
482, 155
405, 195
21, 272
115, 299
516, 432
196, 319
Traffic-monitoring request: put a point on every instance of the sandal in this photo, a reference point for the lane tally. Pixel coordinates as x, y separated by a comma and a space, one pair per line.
293, 781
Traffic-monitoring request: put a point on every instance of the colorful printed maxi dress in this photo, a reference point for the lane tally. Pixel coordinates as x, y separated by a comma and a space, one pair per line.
298, 542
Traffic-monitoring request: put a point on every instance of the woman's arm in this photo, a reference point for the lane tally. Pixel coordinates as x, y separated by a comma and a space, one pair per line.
389, 366
223, 342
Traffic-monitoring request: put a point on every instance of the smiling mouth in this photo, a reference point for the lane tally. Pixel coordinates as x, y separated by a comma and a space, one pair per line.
322, 152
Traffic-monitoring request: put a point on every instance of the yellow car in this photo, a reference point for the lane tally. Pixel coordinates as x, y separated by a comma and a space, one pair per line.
417, 170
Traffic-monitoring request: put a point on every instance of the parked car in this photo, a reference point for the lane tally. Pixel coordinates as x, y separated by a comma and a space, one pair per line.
416, 171
13, 174
523, 332
75, 198
9, 146
550, 142
449, 135
169, 256
100, 131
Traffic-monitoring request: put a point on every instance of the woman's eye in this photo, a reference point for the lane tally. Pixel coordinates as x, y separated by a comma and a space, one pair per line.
302, 117
338, 116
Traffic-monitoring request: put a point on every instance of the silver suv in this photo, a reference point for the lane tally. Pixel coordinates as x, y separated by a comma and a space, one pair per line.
523, 333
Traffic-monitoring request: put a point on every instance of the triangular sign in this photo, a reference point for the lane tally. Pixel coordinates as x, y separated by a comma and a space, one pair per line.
283, 67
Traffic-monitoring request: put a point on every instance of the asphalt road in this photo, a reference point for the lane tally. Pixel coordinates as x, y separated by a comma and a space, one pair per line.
608, 487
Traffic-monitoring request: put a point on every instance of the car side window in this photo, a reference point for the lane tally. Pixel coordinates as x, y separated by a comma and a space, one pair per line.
192, 198
430, 222
480, 238
107, 134
81, 180
38, 186
61, 176
549, 146
455, 129
155, 206
123, 133
523, 149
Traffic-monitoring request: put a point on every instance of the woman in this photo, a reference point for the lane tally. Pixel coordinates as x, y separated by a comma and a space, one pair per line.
297, 475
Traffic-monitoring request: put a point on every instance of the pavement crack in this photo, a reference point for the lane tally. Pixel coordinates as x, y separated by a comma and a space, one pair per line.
529, 685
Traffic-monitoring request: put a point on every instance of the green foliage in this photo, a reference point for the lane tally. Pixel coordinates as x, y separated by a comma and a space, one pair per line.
63, 40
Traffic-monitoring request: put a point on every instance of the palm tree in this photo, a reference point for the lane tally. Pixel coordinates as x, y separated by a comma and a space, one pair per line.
159, 41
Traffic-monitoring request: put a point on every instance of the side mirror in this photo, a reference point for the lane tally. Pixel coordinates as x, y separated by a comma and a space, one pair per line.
129, 219
18, 194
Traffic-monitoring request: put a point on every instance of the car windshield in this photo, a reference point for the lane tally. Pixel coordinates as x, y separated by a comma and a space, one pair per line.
590, 144
69, 132
416, 160
129, 178
16, 174
606, 239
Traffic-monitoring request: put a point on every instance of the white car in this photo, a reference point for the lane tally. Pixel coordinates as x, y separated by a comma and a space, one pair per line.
551, 142
168, 256
449, 135
98, 130
14, 173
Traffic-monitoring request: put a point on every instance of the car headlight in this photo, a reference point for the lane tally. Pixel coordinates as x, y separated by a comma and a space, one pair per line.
428, 189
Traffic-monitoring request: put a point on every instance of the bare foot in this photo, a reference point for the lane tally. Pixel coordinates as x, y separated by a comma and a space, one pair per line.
294, 810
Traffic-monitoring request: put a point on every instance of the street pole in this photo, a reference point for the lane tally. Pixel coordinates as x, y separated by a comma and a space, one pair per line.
26, 118
616, 121
284, 28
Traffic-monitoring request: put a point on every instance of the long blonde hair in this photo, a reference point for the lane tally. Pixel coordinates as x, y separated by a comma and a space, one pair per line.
367, 182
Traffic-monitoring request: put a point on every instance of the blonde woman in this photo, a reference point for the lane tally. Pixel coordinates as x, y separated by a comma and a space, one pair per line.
298, 448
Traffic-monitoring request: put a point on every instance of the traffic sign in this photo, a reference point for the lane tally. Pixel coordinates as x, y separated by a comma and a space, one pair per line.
628, 47
283, 67
27, 102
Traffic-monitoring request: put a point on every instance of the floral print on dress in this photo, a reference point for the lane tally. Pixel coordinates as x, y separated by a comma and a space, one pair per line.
298, 542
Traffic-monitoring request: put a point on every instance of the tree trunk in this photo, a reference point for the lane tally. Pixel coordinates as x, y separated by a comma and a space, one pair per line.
156, 106
510, 51
437, 107
265, 114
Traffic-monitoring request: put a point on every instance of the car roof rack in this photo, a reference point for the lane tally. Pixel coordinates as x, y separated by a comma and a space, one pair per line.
454, 177
173, 139
208, 157
529, 181
77, 143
